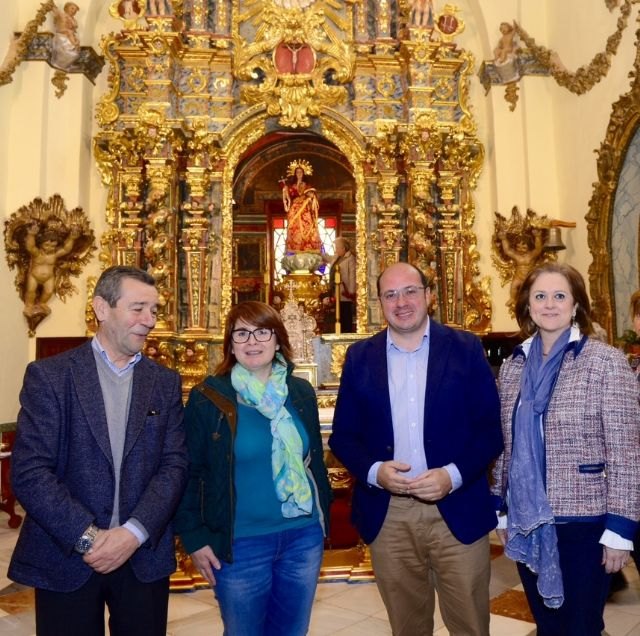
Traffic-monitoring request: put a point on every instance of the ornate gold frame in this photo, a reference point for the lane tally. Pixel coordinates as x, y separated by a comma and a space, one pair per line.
252, 243
623, 124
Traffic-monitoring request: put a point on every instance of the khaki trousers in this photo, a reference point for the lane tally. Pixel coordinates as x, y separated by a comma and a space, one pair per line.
415, 555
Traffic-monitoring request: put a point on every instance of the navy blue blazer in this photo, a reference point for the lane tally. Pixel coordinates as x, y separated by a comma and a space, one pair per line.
62, 469
461, 425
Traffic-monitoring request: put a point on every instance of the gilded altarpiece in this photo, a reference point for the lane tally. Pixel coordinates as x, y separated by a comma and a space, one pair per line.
193, 92
197, 94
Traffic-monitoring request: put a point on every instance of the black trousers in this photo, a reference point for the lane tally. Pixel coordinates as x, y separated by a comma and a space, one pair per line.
135, 608
585, 584
346, 316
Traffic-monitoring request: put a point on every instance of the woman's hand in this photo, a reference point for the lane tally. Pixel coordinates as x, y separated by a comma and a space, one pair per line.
206, 561
614, 560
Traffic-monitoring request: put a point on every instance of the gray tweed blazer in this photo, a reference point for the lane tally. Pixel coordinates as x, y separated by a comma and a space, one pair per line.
591, 435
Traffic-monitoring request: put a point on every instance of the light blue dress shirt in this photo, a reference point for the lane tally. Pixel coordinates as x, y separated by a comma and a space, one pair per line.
407, 377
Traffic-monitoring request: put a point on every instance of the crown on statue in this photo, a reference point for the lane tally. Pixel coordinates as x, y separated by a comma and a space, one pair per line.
299, 163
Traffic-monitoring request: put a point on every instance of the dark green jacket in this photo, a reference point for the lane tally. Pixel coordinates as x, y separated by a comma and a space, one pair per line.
206, 513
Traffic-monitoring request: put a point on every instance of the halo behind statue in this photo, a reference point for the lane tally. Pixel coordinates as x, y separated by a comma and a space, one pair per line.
299, 163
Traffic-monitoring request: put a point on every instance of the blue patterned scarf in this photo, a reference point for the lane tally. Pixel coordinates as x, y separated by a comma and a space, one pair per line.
287, 467
531, 533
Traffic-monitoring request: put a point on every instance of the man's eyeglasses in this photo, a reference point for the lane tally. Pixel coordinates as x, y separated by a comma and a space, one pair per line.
410, 293
262, 334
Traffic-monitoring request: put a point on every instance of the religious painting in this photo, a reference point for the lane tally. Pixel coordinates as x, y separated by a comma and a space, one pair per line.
249, 257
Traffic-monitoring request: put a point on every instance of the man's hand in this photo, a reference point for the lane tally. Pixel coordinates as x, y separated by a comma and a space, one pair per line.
390, 478
111, 549
432, 485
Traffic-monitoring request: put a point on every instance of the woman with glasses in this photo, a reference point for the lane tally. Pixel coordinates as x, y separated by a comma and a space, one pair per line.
567, 483
256, 505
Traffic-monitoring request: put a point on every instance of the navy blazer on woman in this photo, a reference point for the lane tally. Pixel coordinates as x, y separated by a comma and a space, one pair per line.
62, 469
461, 426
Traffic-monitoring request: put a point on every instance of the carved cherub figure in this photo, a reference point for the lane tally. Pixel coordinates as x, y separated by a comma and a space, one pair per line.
66, 43
45, 250
518, 246
47, 245
506, 47
524, 257
192, 360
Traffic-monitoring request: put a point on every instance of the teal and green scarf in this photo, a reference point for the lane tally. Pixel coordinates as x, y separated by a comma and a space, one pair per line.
289, 477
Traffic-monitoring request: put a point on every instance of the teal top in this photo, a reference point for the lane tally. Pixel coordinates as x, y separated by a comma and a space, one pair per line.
258, 510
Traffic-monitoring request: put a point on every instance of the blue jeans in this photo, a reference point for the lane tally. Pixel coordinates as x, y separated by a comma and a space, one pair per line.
269, 588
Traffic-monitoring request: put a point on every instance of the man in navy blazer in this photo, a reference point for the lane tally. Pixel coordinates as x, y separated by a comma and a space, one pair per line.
417, 423
99, 465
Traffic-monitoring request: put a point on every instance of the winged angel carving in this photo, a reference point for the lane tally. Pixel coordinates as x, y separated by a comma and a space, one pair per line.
518, 246
47, 245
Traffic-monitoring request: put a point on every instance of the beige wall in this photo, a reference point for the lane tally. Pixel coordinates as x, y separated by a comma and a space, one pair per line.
540, 156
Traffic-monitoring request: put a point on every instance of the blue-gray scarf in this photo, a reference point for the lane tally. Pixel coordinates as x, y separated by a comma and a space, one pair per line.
531, 533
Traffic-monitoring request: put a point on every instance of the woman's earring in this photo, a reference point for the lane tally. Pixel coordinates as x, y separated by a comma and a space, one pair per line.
573, 316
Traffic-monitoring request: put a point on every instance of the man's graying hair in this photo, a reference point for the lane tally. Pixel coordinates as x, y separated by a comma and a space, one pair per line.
110, 282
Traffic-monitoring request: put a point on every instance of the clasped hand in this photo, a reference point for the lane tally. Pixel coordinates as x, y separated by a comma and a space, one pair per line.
111, 549
432, 485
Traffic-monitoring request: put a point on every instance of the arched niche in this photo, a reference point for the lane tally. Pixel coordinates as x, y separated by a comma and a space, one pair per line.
256, 156
614, 215
258, 209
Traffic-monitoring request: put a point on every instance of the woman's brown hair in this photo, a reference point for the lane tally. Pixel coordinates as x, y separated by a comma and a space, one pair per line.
634, 304
260, 315
576, 286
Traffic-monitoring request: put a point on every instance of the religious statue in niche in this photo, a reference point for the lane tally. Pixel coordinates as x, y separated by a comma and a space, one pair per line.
47, 245
518, 246
302, 206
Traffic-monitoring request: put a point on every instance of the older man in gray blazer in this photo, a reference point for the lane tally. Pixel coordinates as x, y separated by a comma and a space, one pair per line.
99, 465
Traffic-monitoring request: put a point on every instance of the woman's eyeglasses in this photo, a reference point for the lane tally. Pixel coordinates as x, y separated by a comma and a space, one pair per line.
240, 336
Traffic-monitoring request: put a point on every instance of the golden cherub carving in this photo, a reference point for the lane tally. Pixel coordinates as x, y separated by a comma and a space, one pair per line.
47, 244
518, 246
192, 362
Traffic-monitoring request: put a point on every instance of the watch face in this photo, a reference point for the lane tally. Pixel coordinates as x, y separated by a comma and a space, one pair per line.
83, 544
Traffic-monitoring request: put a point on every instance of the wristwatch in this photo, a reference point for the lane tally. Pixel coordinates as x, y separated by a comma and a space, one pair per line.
85, 542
